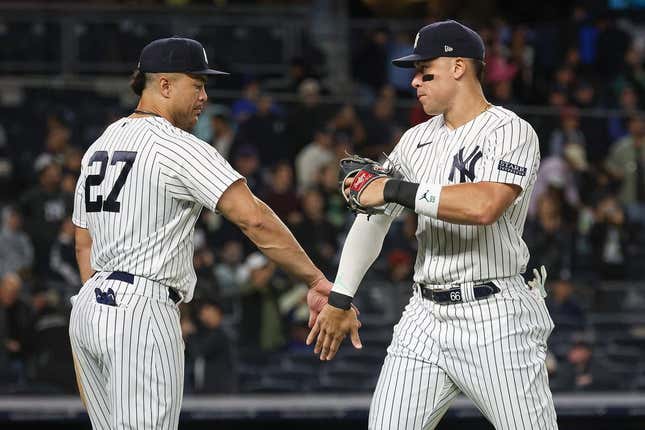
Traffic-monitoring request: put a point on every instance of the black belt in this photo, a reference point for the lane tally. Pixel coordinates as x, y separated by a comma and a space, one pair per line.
129, 278
453, 295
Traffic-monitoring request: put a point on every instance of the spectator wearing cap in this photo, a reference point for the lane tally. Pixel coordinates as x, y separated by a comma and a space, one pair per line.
261, 328
44, 208
16, 251
314, 156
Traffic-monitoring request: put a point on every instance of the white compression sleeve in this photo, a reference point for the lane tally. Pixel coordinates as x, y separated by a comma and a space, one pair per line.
362, 246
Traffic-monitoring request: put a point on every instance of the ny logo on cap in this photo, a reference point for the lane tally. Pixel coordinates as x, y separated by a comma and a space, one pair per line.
416, 40
205, 57
447, 48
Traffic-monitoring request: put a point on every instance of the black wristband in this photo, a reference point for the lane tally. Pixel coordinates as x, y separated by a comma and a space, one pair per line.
401, 192
340, 301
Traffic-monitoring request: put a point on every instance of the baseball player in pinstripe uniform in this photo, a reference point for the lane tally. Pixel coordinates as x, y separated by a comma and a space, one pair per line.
472, 325
142, 187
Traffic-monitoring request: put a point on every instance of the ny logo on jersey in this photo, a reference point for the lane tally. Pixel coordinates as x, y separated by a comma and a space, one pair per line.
459, 163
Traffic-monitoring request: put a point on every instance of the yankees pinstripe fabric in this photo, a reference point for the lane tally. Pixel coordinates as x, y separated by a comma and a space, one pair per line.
142, 187
131, 356
172, 176
492, 350
496, 146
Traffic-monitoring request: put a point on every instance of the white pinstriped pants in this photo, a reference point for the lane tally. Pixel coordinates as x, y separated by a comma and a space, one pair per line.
492, 350
130, 357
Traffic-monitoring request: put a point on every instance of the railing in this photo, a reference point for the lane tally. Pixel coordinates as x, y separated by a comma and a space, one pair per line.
66, 408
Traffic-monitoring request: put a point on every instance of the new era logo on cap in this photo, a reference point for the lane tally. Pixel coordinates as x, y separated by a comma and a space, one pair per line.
444, 39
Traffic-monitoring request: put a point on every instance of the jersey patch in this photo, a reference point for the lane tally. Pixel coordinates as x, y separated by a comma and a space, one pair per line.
505, 166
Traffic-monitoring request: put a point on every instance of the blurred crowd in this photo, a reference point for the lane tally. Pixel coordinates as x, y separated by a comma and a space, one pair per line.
586, 220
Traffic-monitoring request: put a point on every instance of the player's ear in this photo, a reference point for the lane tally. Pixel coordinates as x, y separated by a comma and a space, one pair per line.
459, 67
165, 85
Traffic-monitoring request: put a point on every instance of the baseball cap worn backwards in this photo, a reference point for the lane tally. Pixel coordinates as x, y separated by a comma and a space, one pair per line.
443, 39
175, 55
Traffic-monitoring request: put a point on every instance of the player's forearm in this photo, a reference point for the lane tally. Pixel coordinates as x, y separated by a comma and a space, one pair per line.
275, 241
362, 246
83, 260
83, 247
479, 203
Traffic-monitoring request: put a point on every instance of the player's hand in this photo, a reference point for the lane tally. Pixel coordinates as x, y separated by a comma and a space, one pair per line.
317, 298
539, 280
332, 325
372, 195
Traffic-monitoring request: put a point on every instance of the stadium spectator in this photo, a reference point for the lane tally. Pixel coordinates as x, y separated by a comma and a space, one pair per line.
280, 194
44, 208
609, 238
223, 133
210, 352
306, 117
568, 131
626, 164
246, 160
563, 172
549, 237
565, 310
261, 329
315, 233
18, 325
314, 156
16, 250
51, 369
265, 129
581, 371
62, 258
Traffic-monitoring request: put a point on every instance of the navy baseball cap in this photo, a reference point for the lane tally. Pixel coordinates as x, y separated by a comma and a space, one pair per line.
444, 39
175, 55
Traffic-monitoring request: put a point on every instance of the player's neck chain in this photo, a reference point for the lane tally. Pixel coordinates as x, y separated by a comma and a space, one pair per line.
143, 112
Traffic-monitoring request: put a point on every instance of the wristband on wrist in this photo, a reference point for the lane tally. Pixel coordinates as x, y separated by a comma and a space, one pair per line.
422, 198
340, 301
401, 192
426, 201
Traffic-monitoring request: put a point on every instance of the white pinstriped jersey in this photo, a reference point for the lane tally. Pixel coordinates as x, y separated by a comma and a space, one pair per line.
496, 146
142, 186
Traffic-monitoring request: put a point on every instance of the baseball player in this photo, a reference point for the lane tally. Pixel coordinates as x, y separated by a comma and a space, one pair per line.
142, 187
472, 325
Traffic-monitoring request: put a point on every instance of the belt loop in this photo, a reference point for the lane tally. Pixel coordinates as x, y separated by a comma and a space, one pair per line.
467, 292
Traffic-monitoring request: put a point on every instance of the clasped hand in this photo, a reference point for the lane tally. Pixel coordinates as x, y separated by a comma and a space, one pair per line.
331, 327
